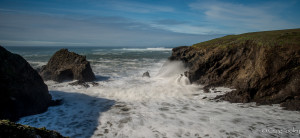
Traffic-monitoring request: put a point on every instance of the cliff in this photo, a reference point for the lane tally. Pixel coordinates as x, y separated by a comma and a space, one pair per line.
263, 67
22, 90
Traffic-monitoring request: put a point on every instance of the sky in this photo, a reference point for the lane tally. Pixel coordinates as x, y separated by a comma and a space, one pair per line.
139, 23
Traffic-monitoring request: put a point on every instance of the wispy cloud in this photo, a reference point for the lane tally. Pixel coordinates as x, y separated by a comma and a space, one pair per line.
170, 22
34, 29
189, 29
240, 17
137, 7
138, 23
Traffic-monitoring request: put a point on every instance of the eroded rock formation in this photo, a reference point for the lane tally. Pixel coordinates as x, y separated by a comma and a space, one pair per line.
65, 65
263, 67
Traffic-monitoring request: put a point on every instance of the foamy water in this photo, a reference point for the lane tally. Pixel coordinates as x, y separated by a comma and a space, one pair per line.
125, 104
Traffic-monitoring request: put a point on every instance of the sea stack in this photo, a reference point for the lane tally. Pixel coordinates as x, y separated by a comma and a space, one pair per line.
263, 67
65, 65
146, 74
23, 91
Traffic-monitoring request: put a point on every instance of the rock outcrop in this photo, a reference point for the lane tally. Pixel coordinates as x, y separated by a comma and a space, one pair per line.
65, 65
22, 90
146, 74
263, 67
12, 130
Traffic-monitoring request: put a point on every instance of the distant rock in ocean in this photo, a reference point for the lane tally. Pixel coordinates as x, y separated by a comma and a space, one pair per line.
146, 74
263, 67
65, 65
22, 90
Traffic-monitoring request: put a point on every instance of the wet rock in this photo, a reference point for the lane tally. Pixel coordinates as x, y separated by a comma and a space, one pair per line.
146, 74
262, 70
82, 83
12, 130
95, 83
65, 65
23, 91
125, 109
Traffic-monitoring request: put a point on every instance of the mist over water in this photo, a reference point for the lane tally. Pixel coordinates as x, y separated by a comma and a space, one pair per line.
125, 104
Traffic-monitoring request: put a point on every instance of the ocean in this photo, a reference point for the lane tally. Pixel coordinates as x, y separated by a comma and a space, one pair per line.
125, 104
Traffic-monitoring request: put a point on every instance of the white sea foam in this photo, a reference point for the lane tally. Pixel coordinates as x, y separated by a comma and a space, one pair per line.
164, 105
37, 64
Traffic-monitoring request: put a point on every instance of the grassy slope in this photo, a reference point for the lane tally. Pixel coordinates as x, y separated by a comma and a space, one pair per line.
267, 38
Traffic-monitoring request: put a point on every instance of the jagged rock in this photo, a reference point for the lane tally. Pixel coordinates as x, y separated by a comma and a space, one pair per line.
65, 65
95, 83
13, 130
82, 83
264, 67
146, 74
22, 90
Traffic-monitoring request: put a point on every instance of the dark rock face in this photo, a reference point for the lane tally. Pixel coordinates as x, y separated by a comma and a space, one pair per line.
23, 91
146, 74
84, 84
259, 73
65, 65
12, 130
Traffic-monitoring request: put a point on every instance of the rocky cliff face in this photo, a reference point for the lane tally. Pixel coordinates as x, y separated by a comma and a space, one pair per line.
22, 90
263, 67
65, 65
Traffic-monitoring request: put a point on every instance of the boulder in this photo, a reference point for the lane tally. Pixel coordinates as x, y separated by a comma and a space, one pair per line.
146, 74
23, 91
82, 83
65, 65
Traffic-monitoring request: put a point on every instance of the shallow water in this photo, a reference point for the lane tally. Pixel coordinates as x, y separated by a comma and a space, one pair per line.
164, 105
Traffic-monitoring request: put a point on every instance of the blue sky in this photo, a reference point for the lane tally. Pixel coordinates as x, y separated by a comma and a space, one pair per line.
158, 23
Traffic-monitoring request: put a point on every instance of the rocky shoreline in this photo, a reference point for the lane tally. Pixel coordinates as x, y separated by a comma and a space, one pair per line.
263, 67
23, 91
13, 130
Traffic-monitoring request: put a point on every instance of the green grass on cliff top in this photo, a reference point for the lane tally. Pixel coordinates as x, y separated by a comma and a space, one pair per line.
267, 38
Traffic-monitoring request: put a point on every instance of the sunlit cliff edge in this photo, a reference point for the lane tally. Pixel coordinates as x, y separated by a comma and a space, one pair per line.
263, 67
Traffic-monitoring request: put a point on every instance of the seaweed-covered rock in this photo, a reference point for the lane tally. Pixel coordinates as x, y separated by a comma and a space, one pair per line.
65, 65
12, 130
263, 67
22, 90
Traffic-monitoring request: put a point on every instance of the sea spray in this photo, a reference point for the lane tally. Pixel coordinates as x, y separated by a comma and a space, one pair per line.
127, 105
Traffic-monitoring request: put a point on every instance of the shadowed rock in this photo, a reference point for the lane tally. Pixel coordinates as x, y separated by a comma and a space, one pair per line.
65, 65
12, 130
22, 90
146, 74
264, 67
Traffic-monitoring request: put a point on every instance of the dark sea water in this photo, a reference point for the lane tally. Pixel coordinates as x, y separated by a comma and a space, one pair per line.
125, 104
110, 60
